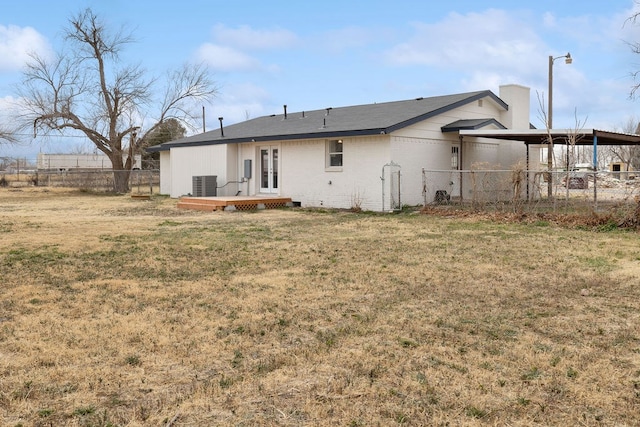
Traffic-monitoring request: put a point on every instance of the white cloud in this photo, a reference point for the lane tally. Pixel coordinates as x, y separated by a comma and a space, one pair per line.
236, 103
483, 41
590, 31
242, 101
230, 46
549, 20
6, 102
487, 49
11, 108
246, 92
245, 37
225, 58
17, 43
347, 38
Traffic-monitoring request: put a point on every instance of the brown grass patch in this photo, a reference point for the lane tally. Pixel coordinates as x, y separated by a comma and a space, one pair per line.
122, 312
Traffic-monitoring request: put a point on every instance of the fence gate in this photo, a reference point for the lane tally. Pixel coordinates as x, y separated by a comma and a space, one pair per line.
391, 187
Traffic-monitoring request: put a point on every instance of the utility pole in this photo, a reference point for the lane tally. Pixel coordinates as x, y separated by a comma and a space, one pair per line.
567, 60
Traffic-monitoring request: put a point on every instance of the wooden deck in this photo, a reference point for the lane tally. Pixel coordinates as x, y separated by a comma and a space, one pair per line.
239, 203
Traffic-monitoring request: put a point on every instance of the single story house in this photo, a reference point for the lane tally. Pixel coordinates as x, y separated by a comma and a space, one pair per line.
370, 156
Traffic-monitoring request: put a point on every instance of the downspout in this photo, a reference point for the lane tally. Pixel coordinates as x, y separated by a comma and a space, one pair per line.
460, 164
382, 179
240, 168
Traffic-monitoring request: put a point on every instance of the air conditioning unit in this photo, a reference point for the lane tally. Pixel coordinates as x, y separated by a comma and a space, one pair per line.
205, 186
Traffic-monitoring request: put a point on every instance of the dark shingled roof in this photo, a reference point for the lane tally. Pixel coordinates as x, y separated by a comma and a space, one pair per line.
359, 120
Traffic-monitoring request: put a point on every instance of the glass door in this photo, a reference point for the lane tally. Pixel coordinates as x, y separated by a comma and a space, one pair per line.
269, 170
455, 166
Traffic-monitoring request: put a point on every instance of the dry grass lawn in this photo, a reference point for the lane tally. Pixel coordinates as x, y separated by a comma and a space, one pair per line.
122, 312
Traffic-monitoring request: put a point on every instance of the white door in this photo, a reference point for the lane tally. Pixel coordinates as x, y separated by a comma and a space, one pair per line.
269, 170
455, 166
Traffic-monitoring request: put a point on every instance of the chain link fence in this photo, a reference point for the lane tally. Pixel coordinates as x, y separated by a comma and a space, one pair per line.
140, 180
531, 191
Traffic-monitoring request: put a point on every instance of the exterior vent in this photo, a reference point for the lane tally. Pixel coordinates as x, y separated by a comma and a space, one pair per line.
205, 186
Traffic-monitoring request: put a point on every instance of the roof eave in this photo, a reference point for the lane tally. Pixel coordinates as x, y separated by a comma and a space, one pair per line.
269, 138
477, 124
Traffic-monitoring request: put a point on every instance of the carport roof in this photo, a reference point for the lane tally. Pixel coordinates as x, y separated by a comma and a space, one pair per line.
541, 136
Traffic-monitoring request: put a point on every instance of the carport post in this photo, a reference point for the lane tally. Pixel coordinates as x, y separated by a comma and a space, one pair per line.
595, 151
595, 171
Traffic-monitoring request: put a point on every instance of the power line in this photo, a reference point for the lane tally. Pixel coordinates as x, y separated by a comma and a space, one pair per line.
51, 136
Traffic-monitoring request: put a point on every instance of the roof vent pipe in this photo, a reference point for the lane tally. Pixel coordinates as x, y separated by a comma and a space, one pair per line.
285, 111
329, 109
221, 128
303, 118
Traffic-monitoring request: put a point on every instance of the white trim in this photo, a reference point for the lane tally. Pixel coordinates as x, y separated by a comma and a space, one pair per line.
329, 153
273, 174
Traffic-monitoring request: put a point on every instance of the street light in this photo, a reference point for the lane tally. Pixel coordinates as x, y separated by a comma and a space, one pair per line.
567, 60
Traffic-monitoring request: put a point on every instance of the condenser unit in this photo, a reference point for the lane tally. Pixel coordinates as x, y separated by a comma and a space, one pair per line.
205, 186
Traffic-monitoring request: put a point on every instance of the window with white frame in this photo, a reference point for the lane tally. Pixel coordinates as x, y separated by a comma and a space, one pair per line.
334, 153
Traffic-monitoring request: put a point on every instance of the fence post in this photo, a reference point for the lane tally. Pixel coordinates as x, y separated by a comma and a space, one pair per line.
595, 190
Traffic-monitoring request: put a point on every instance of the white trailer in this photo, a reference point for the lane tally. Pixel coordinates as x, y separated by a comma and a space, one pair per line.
65, 162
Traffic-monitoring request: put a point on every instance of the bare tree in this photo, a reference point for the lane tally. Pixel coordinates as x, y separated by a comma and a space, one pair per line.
635, 47
571, 139
86, 89
550, 145
7, 135
574, 135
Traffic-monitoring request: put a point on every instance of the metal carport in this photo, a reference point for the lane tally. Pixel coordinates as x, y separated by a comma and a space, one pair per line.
592, 137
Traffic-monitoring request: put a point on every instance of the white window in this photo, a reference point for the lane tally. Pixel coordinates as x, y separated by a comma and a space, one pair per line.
334, 153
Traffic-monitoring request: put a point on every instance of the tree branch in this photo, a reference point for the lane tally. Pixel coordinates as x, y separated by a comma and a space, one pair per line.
86, 89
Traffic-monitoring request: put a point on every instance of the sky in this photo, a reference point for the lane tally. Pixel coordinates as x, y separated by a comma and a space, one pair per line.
317, 54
